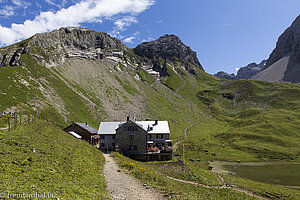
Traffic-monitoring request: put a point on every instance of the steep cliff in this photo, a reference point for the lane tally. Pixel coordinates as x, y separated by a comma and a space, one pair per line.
168, 47
284, 61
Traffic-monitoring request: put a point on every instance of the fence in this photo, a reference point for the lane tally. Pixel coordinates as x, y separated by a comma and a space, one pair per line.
15, 119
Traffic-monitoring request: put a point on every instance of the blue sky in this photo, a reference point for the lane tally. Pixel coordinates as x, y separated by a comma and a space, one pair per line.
225, 34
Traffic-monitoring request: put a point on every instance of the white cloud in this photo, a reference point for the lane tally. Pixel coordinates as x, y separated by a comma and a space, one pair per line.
137, 33
61, 5
7, 11
17, 2
16, 5
121, 24
50, 2
129, 39
148, 39
84, 11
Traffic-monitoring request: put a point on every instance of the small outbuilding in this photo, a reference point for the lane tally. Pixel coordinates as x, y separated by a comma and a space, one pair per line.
83, 131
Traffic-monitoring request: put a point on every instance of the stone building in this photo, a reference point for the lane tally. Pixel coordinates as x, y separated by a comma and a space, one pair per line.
141, 140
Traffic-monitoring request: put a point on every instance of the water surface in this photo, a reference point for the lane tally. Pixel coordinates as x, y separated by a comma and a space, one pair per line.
281, 173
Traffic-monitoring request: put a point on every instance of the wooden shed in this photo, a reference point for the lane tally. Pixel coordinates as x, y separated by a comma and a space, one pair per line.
83, 131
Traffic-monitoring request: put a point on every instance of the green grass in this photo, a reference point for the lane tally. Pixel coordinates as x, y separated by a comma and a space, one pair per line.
3, 121
250, 120
13, 92
173, 189
263, 189
173, 81
145, 76
127, 86
40, 158
24, 97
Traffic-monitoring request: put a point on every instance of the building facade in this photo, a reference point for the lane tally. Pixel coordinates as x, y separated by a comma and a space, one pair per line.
131, 138
141, 140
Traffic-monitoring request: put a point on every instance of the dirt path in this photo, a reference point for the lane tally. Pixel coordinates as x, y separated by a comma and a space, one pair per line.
220, 187
123, 186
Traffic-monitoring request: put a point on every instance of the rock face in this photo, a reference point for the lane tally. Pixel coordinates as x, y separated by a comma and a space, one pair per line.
225, 75
246, 72
53, 47
287, 48
250, 70
287, 44
168, 47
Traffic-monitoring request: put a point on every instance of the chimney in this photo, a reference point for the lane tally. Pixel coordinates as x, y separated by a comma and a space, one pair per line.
85, 123
134, 118
128, 117
156, 122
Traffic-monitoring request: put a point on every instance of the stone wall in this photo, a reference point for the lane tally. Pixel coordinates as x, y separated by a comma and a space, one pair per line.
108, 142
131, 134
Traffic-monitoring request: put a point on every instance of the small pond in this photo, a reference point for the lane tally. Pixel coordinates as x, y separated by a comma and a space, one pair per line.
281, 173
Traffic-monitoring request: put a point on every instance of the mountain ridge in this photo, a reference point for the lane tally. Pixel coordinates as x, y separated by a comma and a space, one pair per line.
246, 72
67, 81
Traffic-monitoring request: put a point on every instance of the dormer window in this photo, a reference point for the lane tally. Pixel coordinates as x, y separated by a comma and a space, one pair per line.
130, 128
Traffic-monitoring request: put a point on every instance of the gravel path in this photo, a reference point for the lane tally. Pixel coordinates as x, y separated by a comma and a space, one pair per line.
123, 186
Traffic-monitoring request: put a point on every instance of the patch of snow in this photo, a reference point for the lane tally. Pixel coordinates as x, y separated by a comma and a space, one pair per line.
137, 77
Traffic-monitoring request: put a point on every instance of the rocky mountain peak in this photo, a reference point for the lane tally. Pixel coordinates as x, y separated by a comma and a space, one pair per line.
51, 48
284, 62
250, 70
287, 43
225, 75
168, 47
246, 72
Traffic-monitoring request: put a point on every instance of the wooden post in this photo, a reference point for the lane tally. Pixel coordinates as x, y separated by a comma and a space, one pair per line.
8, 123
16, 120
183, 150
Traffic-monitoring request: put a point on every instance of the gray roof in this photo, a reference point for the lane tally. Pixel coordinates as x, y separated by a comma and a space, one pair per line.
109, 127
149, 126
87, 127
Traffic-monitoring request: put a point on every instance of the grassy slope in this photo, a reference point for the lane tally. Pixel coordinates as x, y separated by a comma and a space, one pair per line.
38, 157
25, 97
173, 189
259, 122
